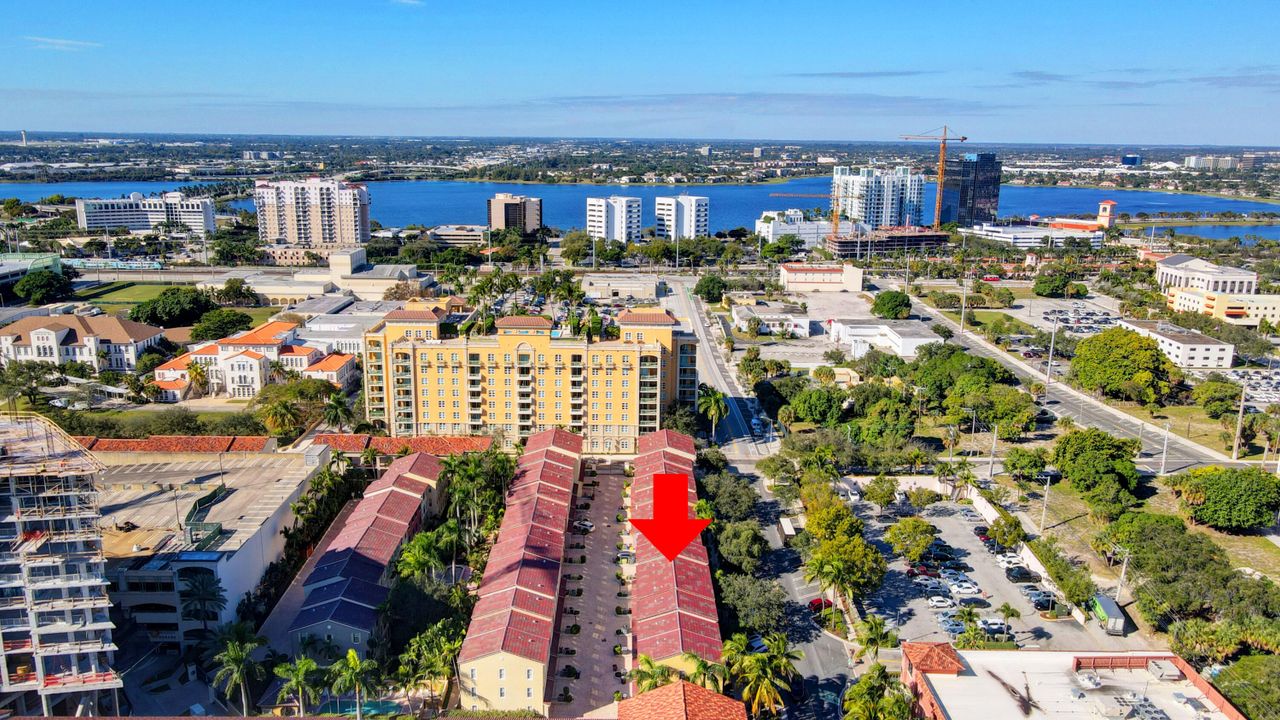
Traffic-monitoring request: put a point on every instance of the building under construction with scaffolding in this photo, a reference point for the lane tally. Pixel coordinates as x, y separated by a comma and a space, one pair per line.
867, 243
54, 623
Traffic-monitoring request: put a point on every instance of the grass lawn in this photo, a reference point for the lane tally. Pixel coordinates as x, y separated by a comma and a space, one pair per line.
1190, 422
260, 314
124, 292
131, 415
985, 316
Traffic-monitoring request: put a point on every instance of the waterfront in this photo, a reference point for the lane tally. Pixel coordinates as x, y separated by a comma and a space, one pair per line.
426, 202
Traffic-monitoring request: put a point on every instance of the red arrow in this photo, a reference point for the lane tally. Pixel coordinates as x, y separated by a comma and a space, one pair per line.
670, 529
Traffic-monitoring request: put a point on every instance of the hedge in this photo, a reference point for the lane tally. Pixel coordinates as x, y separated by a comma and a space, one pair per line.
1075, 583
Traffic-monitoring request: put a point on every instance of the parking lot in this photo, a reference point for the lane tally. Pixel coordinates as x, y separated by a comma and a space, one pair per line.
1262, 387
905, 603
590, 601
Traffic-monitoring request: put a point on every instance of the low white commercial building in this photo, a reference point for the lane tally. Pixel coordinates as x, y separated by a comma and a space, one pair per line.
1031, 237
458, 235
773, 224
347, 273
775, 319
614, 218
141, 213
1177, 271
1185, 348
681, 217
601, 286
903, 338
798, 277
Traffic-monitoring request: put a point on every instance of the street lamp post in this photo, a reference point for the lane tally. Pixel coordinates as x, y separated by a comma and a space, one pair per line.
1044, 507
1235, 446
1053, 337
1164, 452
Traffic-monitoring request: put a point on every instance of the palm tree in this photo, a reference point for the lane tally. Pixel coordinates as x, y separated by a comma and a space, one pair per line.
352, 674
369, 458
280, 416
419, 556
967, 616
202, 596
337, 412
299, 682
1008, 612
710, 675
236, 667
734, 652
782, 656
648, 675
761, 684
877, 696
316, 647
711, 403
872, 635
199, 377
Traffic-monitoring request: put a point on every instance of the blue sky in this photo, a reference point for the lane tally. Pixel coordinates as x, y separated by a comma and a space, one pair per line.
1123, 71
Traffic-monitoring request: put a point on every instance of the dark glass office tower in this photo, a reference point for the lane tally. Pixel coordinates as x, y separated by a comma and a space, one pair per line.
971, 191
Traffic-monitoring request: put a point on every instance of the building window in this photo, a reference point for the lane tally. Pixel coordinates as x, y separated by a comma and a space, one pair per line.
528, 673
355, 638
502, 673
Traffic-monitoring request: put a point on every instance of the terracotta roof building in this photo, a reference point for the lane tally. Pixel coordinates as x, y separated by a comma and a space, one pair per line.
349, 580
105, 342
681, 700
673, 607
506, 656
438, 445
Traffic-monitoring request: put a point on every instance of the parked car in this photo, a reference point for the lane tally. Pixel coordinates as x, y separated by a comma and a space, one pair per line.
624, 556
1020, 574
1044, 604
953, 628
922, 571
980, 530
756, 644
1007, 562
959, 565
973, 602
993, 626
953, 576
964, 588
1028, 589
585, 526
940, 602
817, 605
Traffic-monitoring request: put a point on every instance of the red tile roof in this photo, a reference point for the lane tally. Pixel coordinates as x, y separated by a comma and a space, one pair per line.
523, 322
561, 440
519, 593
681, 700
933, 657
170, 384
298, 350
268, 333
437, 445
78, 327
651, 317
433, 314
673, 603
342, 442
666, 439
797, 267
183, 444
331, 363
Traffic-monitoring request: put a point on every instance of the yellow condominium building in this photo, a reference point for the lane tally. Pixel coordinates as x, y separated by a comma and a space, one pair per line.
1236, 309
421, 378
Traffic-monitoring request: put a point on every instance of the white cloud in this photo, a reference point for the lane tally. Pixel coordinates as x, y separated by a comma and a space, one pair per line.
63, 44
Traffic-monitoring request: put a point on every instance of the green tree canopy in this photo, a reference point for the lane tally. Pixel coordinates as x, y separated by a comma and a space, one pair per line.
1050, 285
220, 323
1121, 363
40, 287
742, 544
911, 537
892, 305
174, 307
1100, 467
758, 605
1232, 499
710, 288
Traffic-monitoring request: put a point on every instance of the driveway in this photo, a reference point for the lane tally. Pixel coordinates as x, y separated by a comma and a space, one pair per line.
594, 610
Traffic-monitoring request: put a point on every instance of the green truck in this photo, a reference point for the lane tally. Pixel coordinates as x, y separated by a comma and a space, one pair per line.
1108, 613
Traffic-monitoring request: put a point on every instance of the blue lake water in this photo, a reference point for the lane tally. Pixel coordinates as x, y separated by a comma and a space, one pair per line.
404, 202
1224, 232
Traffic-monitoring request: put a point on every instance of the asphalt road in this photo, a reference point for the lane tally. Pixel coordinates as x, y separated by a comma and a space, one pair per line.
825, 667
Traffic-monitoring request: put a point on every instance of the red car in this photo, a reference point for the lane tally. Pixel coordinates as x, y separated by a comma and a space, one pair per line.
919, 570
817, 605
983, 537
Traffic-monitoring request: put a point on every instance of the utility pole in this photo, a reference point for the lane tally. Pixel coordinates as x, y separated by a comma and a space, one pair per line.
964, 295
1124, 569
991, 465
1044, 507
1235, 446
1053, 336
1164, 453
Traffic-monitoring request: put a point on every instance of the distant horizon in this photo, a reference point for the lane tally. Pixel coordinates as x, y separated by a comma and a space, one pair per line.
959, 147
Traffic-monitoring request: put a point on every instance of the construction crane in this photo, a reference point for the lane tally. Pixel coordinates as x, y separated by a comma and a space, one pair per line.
835, 206
942, 165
